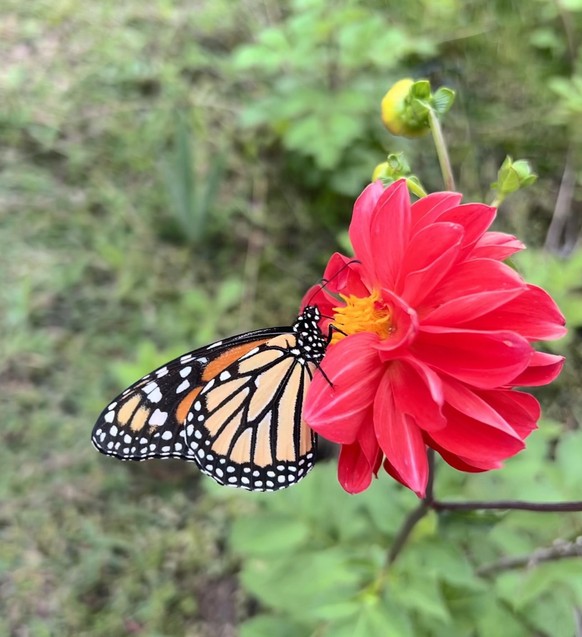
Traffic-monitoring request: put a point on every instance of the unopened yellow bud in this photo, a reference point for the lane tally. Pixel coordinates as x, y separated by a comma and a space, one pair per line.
397, 114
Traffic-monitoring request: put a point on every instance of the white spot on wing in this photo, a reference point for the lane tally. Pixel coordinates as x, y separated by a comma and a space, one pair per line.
155, 396
183, 386
185, 371
158, 418
150, 387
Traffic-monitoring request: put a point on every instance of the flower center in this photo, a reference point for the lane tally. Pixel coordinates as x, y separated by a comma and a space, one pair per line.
368, 314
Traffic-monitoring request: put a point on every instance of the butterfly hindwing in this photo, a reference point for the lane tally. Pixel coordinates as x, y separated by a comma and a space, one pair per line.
246, 427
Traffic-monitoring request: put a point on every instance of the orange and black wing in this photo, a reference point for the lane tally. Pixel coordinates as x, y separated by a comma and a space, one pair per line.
234, 407
148, 419
246, 429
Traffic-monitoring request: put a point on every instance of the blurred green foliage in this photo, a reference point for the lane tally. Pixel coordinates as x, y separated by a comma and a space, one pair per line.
315, 558
172, 173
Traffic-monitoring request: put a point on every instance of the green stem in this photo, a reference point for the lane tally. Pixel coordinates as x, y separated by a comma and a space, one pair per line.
441, 148
415, 188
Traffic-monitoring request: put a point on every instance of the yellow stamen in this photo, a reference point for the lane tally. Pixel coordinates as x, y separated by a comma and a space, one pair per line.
368, 314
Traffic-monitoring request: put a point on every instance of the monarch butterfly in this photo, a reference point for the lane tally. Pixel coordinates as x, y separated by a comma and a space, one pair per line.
233, 407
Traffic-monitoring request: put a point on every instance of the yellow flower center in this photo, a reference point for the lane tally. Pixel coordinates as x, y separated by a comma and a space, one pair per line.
368, 314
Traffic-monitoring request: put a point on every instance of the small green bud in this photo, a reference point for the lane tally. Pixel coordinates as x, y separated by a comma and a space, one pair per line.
511, 177
397, 167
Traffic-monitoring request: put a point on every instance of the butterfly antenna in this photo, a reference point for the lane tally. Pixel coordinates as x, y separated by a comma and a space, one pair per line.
325, 282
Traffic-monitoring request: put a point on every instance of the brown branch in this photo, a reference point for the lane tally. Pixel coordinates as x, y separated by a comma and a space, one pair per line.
414, 517
566, 19
555, 239
561, 550
516, 505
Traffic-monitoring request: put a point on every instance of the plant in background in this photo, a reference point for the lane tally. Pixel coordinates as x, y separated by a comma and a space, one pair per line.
191, 196
322, 82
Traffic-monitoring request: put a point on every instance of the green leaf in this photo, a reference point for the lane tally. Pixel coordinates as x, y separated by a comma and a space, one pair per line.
269, 626
568, 456
418, 591
549, 576
449, 564
376, 618
266, 534
552, 613
443, 99
301, 583
492, 617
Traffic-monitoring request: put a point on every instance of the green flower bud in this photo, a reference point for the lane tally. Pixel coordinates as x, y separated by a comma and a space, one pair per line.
511, 177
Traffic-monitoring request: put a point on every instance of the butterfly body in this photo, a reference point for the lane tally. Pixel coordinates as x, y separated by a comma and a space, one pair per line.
233, 407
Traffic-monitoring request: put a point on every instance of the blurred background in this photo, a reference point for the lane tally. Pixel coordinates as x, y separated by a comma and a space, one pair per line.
173, 172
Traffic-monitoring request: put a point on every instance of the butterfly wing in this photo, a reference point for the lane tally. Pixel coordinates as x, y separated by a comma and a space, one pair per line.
148, 419
234, 407
245, 428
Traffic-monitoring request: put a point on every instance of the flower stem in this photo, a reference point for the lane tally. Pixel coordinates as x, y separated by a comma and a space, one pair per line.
441, 149
415, 515
412, 519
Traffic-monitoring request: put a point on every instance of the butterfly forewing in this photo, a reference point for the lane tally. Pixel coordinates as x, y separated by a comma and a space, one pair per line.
147, 420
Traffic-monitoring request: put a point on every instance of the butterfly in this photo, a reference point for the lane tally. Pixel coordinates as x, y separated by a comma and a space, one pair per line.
233, 407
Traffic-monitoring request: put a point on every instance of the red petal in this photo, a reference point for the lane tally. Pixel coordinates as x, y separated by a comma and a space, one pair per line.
426, 210
431, 254
352, 366
474, 217
417, 395
472, 289
534, 314
542, 369
400, 439
496, 245
360, 227
343, 275
390, 233
463, 464
354, 472
470, 403
368, 443
474, 440
404, 326
519, 409
482, 359
389, 468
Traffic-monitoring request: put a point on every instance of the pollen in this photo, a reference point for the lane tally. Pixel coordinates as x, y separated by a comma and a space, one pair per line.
367, 314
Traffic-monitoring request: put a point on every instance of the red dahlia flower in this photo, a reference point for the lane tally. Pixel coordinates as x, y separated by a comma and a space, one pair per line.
433, 334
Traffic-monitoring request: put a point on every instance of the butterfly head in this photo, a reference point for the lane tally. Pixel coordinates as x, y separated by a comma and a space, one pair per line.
310, 340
